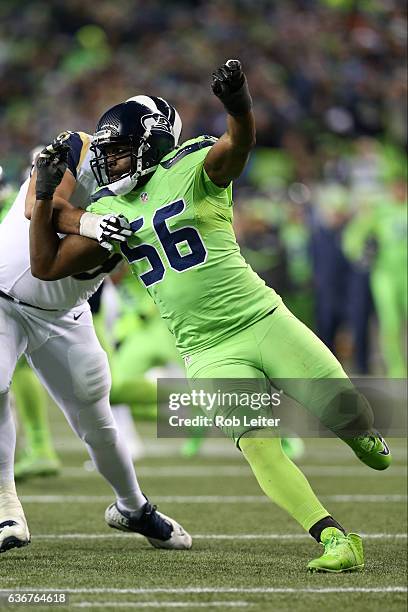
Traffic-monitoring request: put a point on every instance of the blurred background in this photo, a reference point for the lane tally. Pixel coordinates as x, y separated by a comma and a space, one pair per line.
321, 209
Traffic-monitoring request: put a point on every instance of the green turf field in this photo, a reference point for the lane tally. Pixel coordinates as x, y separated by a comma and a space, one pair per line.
247, 554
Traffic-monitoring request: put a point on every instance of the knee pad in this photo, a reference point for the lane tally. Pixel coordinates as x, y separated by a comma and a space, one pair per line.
91, 379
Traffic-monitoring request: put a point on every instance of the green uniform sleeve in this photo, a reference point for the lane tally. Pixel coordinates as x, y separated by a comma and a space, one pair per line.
203, 185
188, 163
220, 196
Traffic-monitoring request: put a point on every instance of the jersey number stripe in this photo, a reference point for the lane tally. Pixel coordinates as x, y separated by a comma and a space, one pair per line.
169, 240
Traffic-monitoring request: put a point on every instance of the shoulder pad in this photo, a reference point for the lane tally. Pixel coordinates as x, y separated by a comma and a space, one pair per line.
191, 146
79, 144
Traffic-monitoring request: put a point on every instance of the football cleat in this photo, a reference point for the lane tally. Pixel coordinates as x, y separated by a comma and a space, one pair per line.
372, 450
342, 553
31, 466
13, 525
160, 530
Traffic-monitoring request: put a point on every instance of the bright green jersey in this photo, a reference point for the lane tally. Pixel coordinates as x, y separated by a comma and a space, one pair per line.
185, 252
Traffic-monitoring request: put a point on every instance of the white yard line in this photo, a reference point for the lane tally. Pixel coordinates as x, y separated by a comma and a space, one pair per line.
209, 589
209, 536
162, 604
366, 498
205, 499
181, 471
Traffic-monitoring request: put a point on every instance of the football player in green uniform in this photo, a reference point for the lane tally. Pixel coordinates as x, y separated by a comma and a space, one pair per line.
381, 224
227, 323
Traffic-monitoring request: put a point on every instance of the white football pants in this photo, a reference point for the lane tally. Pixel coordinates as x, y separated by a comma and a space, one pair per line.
65, 353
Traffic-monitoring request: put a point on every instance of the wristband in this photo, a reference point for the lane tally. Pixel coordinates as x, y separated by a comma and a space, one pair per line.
89, 224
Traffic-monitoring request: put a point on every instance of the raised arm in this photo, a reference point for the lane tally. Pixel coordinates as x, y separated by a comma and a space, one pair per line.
227, 157
52, 258
68, 219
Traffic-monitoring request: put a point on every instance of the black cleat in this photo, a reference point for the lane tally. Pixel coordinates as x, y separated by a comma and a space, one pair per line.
160, 530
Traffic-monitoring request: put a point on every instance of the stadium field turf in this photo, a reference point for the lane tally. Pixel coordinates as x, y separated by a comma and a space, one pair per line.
247, 554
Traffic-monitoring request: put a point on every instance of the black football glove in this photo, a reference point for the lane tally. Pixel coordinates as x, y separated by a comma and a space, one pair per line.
51, 165
229, 84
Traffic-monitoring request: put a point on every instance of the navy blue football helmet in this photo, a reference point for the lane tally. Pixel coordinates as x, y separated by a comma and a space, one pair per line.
144, 128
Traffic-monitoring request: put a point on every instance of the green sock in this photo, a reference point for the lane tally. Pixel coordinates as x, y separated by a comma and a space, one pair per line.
31, 403
280, 479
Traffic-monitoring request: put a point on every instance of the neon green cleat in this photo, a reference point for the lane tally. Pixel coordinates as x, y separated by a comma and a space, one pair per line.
341, 553
31, 466
372, 450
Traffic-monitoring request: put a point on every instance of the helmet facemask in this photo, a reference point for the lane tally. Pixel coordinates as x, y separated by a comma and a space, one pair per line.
113, 151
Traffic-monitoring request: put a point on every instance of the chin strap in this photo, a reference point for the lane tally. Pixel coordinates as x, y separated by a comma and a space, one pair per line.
125, 185
142, 147
128, 183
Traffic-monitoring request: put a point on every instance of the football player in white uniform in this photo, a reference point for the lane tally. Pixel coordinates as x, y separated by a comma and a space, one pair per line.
51, 323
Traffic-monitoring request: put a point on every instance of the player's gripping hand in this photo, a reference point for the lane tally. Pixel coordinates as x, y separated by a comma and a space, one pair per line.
112, 228
229, 84
105, 228
51, 165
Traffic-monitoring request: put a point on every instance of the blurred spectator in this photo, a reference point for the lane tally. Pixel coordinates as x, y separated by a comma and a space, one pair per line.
343, 296
377, 239
314, 66
329, 88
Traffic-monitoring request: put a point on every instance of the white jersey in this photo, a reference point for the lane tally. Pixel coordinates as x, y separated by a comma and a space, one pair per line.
15, 272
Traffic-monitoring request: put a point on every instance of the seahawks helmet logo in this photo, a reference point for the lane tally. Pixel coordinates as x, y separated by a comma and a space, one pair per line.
156, 121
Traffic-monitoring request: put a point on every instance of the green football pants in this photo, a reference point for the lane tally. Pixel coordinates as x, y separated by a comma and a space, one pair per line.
282, 350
